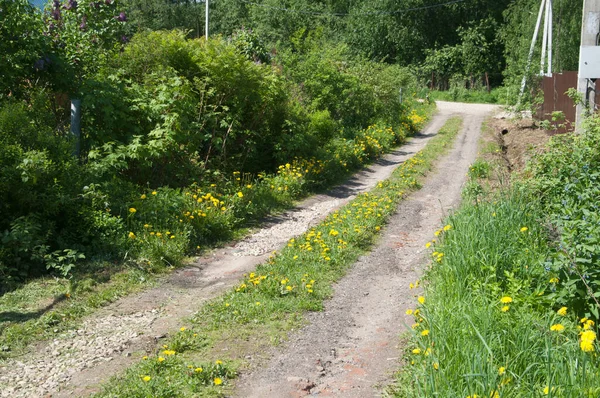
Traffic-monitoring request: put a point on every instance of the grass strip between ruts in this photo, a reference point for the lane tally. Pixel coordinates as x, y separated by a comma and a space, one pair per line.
204, 355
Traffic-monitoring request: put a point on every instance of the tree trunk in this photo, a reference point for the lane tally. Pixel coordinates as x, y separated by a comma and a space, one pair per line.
487, 82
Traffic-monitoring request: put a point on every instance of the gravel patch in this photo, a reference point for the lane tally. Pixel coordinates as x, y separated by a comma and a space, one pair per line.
96, 343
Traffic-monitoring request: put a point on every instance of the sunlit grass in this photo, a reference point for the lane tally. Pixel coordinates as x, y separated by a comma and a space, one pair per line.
494, 308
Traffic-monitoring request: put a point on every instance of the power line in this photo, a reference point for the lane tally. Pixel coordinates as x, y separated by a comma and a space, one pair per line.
405, 10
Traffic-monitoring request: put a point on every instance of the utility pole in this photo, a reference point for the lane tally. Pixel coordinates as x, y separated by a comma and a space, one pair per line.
545, 7
589, 59
206, 23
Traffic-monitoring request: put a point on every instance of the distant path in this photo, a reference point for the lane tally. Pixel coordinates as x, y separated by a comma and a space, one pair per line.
76, 363
351, 348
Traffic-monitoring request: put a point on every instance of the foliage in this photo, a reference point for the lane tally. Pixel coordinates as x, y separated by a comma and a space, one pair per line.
565, 177
21, 46
80, 35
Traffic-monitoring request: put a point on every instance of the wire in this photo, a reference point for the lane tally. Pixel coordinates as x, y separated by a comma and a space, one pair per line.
405, 10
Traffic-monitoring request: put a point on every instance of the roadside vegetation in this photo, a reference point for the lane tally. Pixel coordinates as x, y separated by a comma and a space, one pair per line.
510, 302
270, 301
185, 144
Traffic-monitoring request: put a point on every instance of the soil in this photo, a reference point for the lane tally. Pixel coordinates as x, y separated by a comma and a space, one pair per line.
353, 341
519, 140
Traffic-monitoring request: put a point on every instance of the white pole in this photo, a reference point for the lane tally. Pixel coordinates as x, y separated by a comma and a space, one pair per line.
589, 31
535, 35
206, 22
545, 39
550, 39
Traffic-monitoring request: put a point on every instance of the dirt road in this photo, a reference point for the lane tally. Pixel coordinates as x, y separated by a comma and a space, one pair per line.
352, 341
351, 348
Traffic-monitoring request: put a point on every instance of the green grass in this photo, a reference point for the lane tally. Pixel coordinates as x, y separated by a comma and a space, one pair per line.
493, 295
260, 310
495, 96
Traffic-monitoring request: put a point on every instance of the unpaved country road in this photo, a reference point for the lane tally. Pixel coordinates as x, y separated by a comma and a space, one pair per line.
75, 363
351, 348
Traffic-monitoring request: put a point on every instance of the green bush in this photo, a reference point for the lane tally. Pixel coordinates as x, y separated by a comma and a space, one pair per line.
565, 179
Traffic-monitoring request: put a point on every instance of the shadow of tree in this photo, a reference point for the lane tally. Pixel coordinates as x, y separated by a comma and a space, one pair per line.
20, 317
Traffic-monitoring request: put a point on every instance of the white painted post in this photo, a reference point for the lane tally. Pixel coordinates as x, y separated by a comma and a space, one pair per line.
545, 38
531, 49
206, 20
76, 124
550, 39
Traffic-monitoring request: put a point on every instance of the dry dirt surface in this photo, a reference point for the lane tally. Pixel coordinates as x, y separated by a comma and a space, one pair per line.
352, 347
77, 362
519, 139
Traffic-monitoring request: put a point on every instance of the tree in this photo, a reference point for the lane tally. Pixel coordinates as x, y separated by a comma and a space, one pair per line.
21, 46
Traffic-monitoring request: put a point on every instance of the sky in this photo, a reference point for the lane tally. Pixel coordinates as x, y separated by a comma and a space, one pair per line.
38, 3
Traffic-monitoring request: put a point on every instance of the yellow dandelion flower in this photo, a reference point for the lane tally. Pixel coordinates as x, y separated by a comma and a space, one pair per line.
425, 332
153, 192
169, 352
588, 324
501, 370
240, 194
562, 311
421, 299
548, 389
143, 196
428, 245
409, 312
217, 381
587, 341
198, 370
557, 328
506, 300
436, 365
131, 235
218, 362
161, 359
505, 308
448, 227
132, 210
524, 229
146, 378
416, 351
145, 357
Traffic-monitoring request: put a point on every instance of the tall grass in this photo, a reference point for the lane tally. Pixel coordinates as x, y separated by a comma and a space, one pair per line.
497, 318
